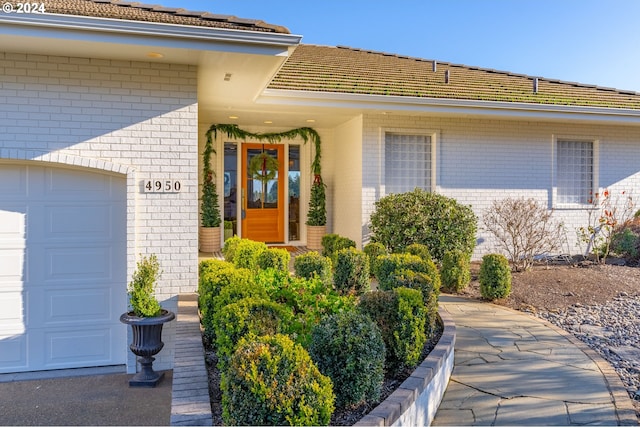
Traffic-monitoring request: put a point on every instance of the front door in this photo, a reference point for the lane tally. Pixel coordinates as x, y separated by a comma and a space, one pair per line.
263, 203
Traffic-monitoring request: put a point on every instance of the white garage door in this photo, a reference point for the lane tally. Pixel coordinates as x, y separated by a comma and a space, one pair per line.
62, 268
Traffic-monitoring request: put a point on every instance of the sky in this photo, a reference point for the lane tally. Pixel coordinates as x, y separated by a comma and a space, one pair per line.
587, 41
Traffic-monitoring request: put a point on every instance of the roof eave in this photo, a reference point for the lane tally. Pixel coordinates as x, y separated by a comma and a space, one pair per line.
105, 30
450, 106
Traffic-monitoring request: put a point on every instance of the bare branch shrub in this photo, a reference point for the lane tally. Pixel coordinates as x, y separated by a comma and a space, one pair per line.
524, 228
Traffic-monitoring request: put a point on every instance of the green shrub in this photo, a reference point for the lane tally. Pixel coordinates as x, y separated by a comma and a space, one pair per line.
349, 349
418, 250
429, 285
238, 290
332, 243
142, 288
311, 265
373, 251
309, 299
229, 248
275, 258
211, 265
351, 273
273, 381
246, 254
387, 267
495, 277
401, 316
249, 316
456, 271
626, 242
212, 282
440, 223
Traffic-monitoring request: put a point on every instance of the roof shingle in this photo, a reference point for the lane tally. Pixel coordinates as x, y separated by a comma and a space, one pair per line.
354, 71
136, 11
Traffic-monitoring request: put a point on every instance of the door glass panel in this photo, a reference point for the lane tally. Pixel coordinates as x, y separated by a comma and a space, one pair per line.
294, 192
230, 189
262, 179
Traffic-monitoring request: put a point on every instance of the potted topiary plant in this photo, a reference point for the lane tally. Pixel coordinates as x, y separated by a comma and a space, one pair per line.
317, 215
146, 318
210, 208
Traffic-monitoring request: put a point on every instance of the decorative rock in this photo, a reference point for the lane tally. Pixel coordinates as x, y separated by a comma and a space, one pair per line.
612, 329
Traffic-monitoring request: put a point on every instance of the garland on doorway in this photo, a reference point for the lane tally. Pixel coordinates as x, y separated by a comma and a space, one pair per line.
317, 208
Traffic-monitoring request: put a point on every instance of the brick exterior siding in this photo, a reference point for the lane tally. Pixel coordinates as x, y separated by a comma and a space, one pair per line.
481, 160
137, 119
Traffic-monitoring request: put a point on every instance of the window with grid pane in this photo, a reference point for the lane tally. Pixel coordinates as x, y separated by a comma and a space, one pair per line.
407, 162
574, 171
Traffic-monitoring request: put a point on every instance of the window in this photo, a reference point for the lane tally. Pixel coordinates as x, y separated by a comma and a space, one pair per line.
574, 171
407, 162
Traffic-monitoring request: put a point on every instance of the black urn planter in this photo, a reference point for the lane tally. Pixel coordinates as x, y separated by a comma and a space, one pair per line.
147, 342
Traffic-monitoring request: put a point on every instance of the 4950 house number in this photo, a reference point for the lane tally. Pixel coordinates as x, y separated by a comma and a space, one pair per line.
162, 186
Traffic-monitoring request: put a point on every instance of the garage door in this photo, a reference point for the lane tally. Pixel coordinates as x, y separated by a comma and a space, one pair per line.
62, 268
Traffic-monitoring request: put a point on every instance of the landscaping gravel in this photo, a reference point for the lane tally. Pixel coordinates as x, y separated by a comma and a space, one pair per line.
612, 329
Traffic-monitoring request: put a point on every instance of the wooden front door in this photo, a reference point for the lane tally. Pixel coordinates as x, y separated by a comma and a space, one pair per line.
263, 201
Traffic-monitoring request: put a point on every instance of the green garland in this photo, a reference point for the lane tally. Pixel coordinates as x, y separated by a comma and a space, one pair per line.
307, 134
317, 214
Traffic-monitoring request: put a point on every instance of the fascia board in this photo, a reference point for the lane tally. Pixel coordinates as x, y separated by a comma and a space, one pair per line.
147, 33
449, 106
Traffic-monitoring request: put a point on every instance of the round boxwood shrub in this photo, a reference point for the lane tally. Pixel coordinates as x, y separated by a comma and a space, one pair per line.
373, 251
456, 271
246, 254
237, 291
248, 316
388, 267
351, 273
312, 264
273, 381
229, 248
275, 258
401, 316
436, 221
332, 243
418, 250
495, 277
212, 282
349, 349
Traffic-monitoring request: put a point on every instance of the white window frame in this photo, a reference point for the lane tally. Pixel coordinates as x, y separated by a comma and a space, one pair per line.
434, 136
595, 175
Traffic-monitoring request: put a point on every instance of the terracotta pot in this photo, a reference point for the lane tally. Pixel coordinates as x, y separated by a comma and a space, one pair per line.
209, 238
314, 236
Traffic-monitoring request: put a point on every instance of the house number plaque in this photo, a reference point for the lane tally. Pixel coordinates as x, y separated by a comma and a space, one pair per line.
162, 186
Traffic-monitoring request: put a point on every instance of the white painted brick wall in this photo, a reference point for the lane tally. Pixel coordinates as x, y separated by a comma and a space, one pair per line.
481, 160
135, 118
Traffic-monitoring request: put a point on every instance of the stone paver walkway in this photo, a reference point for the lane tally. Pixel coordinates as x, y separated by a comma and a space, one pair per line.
513, 369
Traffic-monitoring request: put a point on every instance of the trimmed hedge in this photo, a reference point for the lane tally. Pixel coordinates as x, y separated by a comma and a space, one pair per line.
418, 250
401, 317
456, 271
495, 277
273, 381
349, 349
311, 265
214, 279
246, 254
419, 216
373, 251
275, 258
351, 273
332, 243
229, 248
249, 316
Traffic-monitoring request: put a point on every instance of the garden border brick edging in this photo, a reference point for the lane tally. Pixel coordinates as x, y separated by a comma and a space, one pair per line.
417, 399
